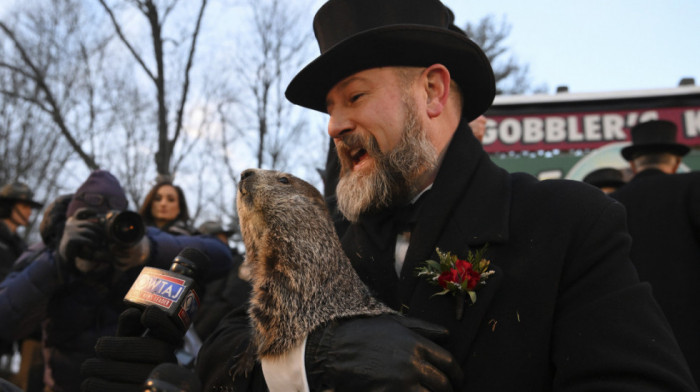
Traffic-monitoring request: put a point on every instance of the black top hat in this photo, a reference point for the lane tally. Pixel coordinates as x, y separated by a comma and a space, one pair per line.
605, 177
652, 137
19, 192
355, 35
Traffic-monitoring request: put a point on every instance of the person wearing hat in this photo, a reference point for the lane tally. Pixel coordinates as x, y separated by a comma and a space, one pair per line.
559, 307
74, 289
216, 229
654, 146
663, 216
16, 204
607, 179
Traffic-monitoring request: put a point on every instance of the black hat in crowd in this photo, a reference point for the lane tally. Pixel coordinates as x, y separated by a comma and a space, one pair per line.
605, 177
19, 192
355, 35
214, 228
653, 137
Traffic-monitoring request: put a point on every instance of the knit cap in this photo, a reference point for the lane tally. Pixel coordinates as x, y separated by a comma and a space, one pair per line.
100, 192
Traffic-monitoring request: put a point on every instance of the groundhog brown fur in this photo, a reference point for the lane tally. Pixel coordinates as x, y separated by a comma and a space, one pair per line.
301, 277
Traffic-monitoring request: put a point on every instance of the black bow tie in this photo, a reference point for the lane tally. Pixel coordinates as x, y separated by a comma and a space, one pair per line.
382, 227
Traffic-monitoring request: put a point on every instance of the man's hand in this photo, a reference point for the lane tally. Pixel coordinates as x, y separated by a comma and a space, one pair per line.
388, 353
124, 361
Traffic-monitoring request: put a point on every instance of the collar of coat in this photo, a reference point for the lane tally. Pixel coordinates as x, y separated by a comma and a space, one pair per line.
467, 207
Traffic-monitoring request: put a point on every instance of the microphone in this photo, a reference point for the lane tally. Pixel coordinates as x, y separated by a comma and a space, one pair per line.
174, 291
169, 377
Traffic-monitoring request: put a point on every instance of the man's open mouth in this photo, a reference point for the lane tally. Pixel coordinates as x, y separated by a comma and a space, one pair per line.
357, 155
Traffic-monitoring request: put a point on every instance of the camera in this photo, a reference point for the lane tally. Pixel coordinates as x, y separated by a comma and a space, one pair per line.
122, 228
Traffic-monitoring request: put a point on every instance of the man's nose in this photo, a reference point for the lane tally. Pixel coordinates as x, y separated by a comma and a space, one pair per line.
339, 124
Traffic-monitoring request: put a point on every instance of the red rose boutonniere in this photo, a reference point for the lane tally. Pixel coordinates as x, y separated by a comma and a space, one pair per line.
461, 278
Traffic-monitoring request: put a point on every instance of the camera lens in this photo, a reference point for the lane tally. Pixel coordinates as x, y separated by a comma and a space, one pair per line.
126, 227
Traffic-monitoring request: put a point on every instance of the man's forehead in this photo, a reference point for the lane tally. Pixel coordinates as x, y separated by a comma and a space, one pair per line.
365, 76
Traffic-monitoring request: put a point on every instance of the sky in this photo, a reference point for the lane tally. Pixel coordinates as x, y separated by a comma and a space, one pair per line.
587, 45
597, 45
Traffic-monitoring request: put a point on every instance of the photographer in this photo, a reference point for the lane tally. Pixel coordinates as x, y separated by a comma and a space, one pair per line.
75, 289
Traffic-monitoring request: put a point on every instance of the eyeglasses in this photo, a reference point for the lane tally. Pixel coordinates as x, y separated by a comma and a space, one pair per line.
96, 200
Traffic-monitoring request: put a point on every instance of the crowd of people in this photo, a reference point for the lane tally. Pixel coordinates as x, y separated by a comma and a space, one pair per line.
589, 285
73, 287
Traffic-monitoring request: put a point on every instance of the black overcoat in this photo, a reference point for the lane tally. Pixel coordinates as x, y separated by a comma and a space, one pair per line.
663, 214
564, 309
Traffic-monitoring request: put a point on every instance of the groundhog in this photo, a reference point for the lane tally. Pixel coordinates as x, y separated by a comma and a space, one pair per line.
300, 275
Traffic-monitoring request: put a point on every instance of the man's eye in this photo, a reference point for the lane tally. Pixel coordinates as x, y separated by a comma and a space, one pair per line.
355, 97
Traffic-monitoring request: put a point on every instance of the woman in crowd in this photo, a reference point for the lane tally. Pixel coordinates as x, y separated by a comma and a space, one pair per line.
165, 207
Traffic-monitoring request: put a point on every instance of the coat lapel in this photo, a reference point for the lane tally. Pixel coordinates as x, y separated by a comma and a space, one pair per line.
468, 207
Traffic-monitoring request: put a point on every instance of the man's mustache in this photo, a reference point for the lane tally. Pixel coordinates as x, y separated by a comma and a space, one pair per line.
346, 144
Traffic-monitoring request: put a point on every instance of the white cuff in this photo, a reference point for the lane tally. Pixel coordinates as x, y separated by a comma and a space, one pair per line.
287, 372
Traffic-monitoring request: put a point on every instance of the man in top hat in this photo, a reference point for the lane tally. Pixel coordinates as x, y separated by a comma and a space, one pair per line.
16, 204
654, 147
607, 179
663, 216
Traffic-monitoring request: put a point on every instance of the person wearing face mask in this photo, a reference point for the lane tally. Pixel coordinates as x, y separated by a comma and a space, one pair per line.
165, 207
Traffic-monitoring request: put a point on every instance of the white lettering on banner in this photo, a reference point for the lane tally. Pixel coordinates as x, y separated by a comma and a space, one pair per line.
555, 129
647, 116
574, 134
532, 130
510, 131
612, 127
591, 127
491, 132
691, 123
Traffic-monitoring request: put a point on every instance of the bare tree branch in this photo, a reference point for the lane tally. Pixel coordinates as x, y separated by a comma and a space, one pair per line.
511, 76
188, 68
126, 43
55, 111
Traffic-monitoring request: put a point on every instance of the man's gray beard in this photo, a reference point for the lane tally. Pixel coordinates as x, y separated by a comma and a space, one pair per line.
392, 182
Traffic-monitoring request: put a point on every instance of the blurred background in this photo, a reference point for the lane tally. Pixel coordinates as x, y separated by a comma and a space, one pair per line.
193, 91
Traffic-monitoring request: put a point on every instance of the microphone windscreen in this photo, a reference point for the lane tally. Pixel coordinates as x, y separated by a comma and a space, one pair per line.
169, 377
189, 256
195, 255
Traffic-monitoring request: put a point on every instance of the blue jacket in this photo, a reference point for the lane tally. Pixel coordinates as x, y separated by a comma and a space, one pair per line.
75, 310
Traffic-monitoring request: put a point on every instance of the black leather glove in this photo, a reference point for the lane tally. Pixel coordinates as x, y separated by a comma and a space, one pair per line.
80, 239
124, 361
387, 353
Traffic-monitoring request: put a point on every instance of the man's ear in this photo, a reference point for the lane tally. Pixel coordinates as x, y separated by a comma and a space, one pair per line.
676, 165
437, 87
633, 167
